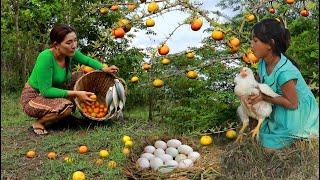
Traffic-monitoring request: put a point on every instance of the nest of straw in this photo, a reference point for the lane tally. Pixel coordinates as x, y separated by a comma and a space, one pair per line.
97, 82
207, 167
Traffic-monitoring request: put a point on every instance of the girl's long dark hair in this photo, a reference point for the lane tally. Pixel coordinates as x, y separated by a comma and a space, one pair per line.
57, 34
274, 33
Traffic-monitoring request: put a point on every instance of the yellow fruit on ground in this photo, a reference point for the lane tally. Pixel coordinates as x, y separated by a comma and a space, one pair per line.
78, 175
150, 22
153, 7
192, 74
134, 79
158, 83
126, 151
31, 154
112, 164
165, 61
83, 149
126, 138
128, 143
103, 153
231, 134
205, 140
68, 160
99, 161
52, 155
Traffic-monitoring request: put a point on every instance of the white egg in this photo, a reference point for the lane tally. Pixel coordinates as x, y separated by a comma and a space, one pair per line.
180, 157
148, 156
194, 156
185, 149
172, 151
168, 166
186, 163
165, 169
160, 144
155, 163
149, 149
165, 157
143, 163
158, 152
174, 143
172, 163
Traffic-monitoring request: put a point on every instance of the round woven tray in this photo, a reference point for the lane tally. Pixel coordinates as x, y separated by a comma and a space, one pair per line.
97, 82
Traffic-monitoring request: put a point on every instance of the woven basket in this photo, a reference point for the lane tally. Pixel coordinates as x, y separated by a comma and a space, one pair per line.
97, 82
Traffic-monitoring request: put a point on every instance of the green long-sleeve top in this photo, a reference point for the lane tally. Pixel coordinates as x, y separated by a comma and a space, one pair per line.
47, 75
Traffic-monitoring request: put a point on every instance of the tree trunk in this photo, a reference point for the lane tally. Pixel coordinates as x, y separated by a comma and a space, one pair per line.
150, 98
17, 63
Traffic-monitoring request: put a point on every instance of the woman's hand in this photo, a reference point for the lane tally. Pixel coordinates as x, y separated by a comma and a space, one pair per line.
112, 69
244, 102
255, 98
84, 96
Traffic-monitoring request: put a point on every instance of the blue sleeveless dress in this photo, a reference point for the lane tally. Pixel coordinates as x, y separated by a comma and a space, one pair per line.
284, 126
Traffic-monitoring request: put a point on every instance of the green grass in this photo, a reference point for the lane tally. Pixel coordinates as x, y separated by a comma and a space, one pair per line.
246, 161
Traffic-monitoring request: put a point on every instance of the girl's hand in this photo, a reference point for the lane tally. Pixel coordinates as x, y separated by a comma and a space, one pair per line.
84, 96
112, 69
253, 99
244, 102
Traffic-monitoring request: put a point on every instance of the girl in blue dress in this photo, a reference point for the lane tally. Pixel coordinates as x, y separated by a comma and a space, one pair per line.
295, 114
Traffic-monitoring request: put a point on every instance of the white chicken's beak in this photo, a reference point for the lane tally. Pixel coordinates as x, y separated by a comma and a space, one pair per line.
243, 73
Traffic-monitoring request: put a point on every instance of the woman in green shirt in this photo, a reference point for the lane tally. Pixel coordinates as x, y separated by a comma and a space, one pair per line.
45, 95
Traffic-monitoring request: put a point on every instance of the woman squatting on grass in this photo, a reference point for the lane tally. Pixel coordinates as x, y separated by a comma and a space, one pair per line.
295, 114
47, 94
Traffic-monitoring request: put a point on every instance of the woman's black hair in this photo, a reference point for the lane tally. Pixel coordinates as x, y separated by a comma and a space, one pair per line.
57, 34
274, 33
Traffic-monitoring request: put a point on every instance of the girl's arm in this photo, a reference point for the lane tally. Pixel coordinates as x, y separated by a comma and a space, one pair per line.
289, 99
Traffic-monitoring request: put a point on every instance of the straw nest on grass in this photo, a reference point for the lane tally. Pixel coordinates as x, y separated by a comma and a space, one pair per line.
207, 167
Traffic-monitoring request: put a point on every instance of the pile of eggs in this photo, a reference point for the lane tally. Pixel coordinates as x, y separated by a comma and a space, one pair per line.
167, 156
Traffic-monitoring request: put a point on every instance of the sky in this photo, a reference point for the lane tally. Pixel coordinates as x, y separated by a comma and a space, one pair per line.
184, 36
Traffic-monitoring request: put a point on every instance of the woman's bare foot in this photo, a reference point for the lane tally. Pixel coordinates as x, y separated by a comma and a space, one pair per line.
39, 128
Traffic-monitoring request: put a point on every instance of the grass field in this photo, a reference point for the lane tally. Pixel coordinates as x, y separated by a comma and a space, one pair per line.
221, 160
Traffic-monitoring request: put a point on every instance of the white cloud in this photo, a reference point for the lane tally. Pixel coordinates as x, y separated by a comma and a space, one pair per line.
183, 37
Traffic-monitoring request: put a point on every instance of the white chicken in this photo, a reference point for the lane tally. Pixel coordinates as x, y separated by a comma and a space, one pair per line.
245, 85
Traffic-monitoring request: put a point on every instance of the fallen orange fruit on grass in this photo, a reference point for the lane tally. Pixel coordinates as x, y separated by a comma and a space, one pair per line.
112, 164
83, 149
31, 154
99, 162
126, 151
52, 155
